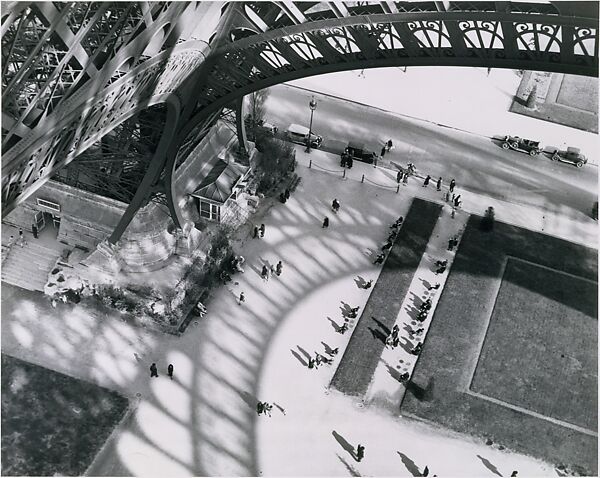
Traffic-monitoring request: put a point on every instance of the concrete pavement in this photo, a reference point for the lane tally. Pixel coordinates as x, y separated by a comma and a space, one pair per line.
204, 422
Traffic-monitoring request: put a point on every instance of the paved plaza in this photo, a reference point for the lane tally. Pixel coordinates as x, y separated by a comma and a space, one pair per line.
204, 422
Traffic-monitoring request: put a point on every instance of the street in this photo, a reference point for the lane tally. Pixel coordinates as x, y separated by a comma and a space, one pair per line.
477, 163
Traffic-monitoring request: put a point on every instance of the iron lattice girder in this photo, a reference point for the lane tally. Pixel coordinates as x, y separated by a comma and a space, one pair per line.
493, 39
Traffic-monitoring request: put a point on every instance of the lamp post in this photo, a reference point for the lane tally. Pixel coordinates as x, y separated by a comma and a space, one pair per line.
313, 106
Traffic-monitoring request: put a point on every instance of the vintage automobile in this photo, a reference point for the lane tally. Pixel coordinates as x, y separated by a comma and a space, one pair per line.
358, 152
571, 155
521, 144
296, 133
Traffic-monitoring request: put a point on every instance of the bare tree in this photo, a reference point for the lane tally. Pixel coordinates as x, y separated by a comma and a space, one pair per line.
256, 109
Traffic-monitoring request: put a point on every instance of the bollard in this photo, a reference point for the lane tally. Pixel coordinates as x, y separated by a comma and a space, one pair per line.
344, 173
363, 179
310, 164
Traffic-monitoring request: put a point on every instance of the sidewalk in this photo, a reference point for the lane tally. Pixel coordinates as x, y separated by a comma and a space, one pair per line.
555, 222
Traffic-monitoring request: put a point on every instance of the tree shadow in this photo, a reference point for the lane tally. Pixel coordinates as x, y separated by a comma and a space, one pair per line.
409, 464
489, 465
344, 443
348, 466
300, 359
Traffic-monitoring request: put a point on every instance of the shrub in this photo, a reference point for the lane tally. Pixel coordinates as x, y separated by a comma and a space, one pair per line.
274, 164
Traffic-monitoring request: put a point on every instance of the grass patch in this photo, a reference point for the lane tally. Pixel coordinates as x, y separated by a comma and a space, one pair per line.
537, 352
540, 314
362, 355
53, 424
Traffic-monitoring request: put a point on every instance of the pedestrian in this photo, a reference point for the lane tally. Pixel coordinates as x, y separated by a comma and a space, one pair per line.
279, 268
404, 377
514, 473
287, 193
360, 452
426, 471
389, 341
382, 152
311, 363
368, 284
436, 287
390, 145
395, 341
457, 201
395, 330
439, 184
426, 182
334, 351
405, 179
452, 184
386, 246
268, 407
379, 259
34, 231
317, 359
343, 328
335, 206
417, 349
399, 177
325, 222
153, 370
242, 298
260, 408
282, 198
265, 273
353, 312
21, 241
262, 230
170, 371
255, 235
450, 244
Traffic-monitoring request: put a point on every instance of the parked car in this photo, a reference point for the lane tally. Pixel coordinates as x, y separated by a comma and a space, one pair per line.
299, 134
358, 151
521, 144
571, 155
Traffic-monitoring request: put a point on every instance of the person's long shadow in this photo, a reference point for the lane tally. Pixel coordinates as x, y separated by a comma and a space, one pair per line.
304, 352
328, 349
248, 398
360, 282
348, 466
383, 327
407, 346
377, 334
489, 465
344, 444
300, 359
336, 327
410, 465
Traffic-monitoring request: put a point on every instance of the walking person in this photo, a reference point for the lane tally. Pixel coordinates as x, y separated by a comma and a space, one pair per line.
390, 145
265, 273
426, 182
360, 452
452, 184
260, 408
279, 268
241, 299
325, 222
457, 201
439, 184
255, 235
335, 206
262, 230
405, 179
153, 370
21, 240
170, 371
399, 177
286, 194
382, 152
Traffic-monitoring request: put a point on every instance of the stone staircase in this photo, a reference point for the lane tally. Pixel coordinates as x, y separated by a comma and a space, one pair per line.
28, 267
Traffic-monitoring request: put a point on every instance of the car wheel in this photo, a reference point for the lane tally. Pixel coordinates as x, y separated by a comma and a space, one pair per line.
505, 146
579, 164
515, 145
533, 152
